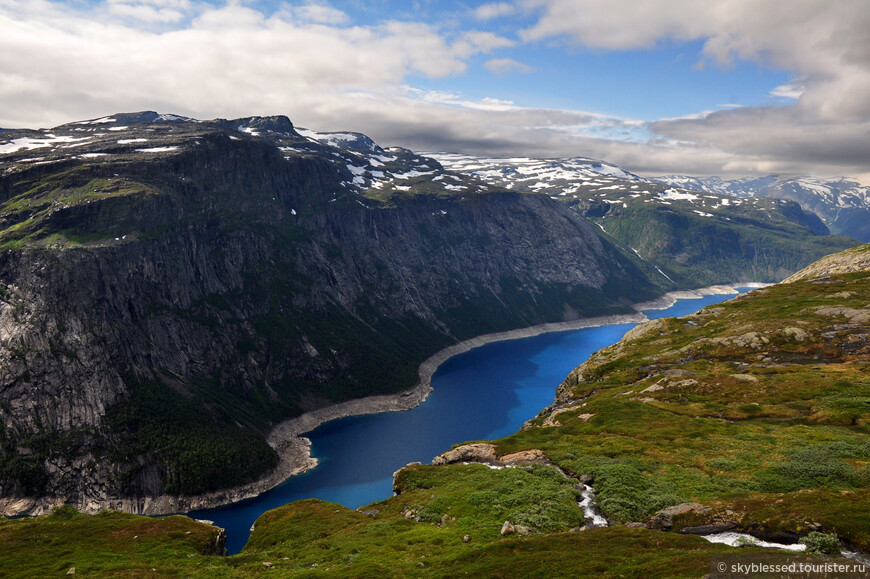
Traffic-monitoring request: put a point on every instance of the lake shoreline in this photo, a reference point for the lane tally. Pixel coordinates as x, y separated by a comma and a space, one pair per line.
294, 450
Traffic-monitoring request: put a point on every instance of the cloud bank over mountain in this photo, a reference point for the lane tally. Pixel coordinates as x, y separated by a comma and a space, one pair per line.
435, 79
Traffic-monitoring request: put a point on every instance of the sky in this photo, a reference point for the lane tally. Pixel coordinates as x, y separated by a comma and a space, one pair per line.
698, 87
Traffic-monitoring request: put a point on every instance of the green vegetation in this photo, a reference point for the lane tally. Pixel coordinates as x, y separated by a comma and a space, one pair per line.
540, 497
198, 452
622, 488
106, 545
313, 538
72, 208
739, 242
822, 543
22, 460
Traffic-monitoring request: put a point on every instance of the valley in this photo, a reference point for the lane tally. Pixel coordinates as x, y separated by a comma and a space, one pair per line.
750, 415
175, 290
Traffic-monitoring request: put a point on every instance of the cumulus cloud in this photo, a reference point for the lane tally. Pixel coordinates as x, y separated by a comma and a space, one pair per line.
494, 10
56, 64
150, 11
320, 13
476, 41
827, 47
507, 65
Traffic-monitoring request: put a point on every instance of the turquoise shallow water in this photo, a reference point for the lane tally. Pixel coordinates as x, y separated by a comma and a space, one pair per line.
485, 393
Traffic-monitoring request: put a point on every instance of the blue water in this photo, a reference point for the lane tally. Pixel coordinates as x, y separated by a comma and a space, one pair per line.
486, 393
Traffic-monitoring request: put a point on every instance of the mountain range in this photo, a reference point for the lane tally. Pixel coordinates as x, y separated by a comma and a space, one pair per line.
842, 203
172, 289
683, 232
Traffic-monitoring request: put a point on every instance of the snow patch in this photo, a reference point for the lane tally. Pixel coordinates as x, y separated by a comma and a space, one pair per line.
30, 143
157, 150
97, 121
677, 195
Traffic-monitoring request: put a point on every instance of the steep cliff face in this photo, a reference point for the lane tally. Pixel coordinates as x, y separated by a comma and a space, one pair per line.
171, 289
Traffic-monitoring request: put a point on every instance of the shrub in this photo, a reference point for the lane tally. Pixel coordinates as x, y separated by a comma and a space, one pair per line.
624, 492
825, 543
64, 512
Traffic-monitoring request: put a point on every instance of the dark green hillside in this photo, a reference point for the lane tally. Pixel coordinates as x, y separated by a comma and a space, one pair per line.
732, 243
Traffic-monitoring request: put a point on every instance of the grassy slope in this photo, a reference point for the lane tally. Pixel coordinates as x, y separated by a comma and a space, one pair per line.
758, 407
105, 545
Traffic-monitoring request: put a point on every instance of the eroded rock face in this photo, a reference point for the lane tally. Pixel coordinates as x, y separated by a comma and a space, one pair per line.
217, 546
853, 260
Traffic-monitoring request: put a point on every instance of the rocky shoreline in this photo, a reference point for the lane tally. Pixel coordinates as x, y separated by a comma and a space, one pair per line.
670, 298
294, 450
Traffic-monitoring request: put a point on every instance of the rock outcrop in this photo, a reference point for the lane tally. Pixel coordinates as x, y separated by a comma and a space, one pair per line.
849, 261
479, 452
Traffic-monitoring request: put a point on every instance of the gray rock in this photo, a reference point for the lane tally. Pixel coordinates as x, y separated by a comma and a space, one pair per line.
478, 452
663, 520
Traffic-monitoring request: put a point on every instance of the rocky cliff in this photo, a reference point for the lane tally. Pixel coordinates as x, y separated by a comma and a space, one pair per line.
173, 288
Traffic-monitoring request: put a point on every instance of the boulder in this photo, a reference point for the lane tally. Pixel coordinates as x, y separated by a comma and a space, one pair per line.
664, 519
796, 333
533, 455
478, 452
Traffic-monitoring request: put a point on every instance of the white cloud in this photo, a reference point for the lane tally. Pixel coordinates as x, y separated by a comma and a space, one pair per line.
475, 42
827, 47
457, 100
59, 64
150, 11
494, 10
789, 90
320, 13
507, 65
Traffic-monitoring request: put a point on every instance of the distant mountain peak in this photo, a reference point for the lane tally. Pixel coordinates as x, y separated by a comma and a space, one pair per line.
842, 203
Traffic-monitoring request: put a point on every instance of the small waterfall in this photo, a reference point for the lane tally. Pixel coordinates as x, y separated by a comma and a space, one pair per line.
594, 518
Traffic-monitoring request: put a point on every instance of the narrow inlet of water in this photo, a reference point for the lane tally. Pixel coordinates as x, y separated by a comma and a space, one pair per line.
486, 393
